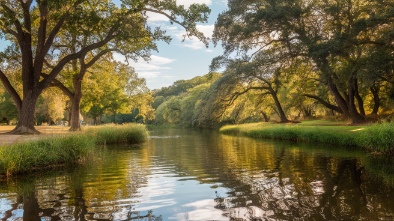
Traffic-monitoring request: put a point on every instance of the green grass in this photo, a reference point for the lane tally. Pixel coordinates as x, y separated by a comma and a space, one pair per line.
119, 134
46, 152
374, 138
65, 149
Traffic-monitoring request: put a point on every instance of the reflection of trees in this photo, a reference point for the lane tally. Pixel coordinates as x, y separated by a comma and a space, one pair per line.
266, 180
276, 181
309, 188
102, 191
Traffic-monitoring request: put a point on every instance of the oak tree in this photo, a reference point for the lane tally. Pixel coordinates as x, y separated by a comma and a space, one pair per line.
34, 27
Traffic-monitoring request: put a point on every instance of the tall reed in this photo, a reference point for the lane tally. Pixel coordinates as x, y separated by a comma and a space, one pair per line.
119, 134
45, 152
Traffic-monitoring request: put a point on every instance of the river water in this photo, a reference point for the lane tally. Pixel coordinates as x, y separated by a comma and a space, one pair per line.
202, 175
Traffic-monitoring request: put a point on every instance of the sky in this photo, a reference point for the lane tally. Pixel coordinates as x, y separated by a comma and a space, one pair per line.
179, 60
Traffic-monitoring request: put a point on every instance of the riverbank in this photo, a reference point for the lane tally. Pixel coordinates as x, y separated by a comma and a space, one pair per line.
376, 138
6, 138
35, 152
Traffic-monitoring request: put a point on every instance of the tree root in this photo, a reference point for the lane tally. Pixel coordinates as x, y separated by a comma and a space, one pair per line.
24, 130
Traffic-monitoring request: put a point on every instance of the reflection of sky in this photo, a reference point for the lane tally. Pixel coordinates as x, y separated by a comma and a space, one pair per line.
6, 200
177, 198
200, 210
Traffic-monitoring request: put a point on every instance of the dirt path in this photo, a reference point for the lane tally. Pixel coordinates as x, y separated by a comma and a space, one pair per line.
45, 131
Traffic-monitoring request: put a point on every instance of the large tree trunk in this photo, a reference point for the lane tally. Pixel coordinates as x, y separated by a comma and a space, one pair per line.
355, 115
281, 112
266, 117
359, 99
376, 99
95, 120
325, 103
347, 106
75, 104
26, 118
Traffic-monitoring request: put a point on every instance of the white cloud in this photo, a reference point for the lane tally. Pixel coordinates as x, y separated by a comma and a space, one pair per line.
206, 29
151, 69
156, 17
161, 60
193, 42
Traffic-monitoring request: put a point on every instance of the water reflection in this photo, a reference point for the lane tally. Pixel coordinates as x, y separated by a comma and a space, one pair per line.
200, 175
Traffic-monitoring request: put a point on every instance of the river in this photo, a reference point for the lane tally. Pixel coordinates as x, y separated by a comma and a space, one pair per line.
202, 175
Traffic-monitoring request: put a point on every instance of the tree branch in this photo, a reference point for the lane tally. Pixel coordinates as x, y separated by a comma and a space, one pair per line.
55, 71
235, 95
165, 14
19, 31
11, 90
61, 86
325, 103
98, 56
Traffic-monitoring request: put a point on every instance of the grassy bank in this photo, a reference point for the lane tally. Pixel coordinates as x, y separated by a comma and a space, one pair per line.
119, 134
64, 149
373, 138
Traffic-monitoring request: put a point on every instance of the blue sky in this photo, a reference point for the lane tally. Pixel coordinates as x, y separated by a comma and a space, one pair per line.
179, 60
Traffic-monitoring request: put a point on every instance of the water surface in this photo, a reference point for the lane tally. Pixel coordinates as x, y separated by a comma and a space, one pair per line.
201, 175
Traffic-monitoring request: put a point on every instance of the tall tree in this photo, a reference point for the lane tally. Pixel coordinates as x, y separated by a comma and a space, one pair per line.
105, 89
261, 72
34, 28
333, 34
50, 106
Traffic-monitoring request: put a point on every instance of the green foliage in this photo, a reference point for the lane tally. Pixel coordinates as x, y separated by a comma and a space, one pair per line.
182, 86
50, 106
104, 90
182, 104
50, 35
344, 43
8, 110
158, 101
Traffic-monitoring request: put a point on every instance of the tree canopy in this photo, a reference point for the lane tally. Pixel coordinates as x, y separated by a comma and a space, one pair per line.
38, 31
339, 39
